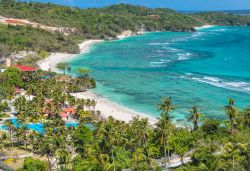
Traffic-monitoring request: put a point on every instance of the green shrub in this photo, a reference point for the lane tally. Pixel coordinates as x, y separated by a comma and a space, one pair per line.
31, 164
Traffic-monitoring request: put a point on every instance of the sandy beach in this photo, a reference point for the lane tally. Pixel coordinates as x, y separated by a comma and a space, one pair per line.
110, 108
50, 62
104, 105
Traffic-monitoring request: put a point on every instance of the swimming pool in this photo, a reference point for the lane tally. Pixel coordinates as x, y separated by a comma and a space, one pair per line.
38, 127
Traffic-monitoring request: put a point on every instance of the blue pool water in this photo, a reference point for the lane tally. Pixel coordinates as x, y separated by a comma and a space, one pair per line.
203, 68
38, 127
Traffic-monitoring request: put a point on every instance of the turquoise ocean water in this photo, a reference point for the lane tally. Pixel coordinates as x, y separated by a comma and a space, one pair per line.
203, 68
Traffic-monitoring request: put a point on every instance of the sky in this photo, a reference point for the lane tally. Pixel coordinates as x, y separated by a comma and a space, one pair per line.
181, 5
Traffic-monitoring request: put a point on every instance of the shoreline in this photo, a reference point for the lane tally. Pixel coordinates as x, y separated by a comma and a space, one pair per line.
204, 27
104, 105
111, 108
49, 63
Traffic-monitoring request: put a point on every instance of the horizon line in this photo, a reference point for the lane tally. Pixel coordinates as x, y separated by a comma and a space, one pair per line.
91, 7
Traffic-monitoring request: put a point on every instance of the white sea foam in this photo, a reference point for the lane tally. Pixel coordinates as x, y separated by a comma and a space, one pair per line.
160, 51
212, 79
188, 73
219, 30
154, 43
187, 38
170, 49
197, 34
240, 86
183, 56
183, 39
158, 62
165, 60
247, 88
173, 50
237, 84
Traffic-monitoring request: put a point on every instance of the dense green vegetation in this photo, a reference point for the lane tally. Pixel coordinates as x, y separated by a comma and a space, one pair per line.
109, 144
99, 23
18, 38
13, 78
222, 19
114, 19
31, 164
99, 144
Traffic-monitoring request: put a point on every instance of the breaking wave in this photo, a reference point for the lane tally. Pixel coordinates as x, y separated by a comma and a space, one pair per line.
240, 86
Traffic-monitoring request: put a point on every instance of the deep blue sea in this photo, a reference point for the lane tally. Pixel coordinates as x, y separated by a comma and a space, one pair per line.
203, 68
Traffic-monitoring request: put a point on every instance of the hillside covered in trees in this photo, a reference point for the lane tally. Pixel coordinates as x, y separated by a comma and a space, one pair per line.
97, 23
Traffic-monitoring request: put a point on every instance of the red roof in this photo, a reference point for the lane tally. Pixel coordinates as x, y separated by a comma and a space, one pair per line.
25, 68
64, 115
69, 110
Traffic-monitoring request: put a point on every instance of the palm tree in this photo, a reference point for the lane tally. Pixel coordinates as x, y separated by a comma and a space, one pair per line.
166, 107
3, 106
141, 128
46, 147
29, 90
212, 164
63, 67
231, 113
24, 131
3, 138
138, 159
82, 72
80, 104
20, 104
11, 127
108, 133
64, 157
233, 152
194, 116
85, 116
149, 154
246, 118
164, 123
69, 69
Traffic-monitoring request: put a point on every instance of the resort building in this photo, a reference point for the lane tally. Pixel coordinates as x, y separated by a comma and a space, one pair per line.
24, 68
67, 113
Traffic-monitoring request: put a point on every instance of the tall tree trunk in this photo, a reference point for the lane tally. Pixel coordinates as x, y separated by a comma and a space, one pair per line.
49, 162
195, 125
11, 139
232, 130
57, 166
165, 152
25, 140
182, 162
233, 163
113, 158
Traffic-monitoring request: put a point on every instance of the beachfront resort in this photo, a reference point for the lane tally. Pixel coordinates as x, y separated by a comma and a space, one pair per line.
45, 122
123, 87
